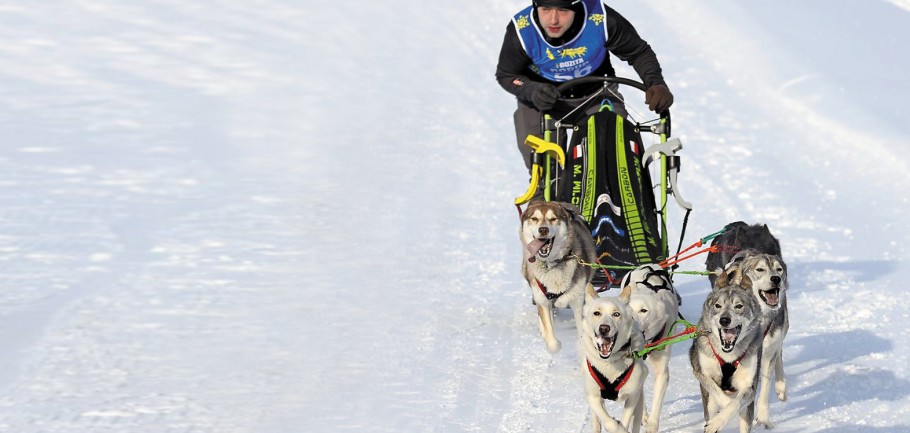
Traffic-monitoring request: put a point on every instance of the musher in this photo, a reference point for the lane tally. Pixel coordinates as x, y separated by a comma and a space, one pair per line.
554, 41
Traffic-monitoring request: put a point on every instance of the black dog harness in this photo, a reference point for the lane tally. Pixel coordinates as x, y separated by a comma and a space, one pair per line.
609, 390
664, 276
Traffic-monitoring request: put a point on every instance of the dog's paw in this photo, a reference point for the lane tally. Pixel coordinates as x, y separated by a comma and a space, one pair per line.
763, 416
650, 425
781, 388
714, 425
764, 422
554, 346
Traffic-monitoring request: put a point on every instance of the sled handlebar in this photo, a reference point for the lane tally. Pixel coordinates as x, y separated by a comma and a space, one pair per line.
568, 85
599, 79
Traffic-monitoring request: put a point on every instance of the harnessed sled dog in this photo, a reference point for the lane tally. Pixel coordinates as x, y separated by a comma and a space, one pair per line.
554, 235
654, 304
752, 250
768, 276
607, 339
725, 356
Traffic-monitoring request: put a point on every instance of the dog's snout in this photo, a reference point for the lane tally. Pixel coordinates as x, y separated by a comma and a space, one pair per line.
775, 279
544, 231
604, 329
724, 321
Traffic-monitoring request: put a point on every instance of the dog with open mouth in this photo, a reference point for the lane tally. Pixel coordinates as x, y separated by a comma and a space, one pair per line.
726, 354
768, 276
609, 336
654, 304
555, 238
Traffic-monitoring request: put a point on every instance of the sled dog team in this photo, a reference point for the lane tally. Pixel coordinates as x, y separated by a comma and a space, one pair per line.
739, 337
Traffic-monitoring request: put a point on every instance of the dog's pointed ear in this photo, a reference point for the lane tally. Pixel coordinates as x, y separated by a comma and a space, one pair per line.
590, 293
626, 293
745, 282
569, 207
573, 212
721, 279
727, 276
531, 207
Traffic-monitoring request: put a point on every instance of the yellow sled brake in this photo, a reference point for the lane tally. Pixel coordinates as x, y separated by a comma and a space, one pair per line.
541, 147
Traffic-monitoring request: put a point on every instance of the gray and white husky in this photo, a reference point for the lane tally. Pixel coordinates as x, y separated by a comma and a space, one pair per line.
555, 236
768, 276
654, 303
725, 356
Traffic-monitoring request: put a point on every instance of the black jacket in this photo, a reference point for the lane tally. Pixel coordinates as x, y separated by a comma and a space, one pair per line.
623, 41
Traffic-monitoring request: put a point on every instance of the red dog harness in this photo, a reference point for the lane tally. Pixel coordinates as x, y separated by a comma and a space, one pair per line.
610, 390
550, 296
727, 369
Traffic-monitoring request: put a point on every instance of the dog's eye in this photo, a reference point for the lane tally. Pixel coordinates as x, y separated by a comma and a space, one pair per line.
616, 314
738, 306
597, 313
759, 269
553, 220
643, 310
534, 219
718, 306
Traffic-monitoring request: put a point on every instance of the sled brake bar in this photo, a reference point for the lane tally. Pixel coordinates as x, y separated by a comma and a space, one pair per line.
543, 146
540, 147
536, 170
668, 148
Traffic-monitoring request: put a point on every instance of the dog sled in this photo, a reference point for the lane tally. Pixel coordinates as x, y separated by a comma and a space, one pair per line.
594, 157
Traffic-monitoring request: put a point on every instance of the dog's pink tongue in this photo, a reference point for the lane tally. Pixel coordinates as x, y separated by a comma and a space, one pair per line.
533, 247
772, 298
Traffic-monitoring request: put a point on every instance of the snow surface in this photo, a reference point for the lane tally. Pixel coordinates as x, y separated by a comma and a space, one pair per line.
267, 216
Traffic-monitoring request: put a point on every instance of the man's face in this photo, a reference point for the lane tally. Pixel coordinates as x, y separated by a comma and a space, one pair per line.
555, 21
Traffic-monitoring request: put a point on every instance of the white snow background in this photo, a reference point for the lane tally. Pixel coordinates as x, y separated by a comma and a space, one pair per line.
284, 216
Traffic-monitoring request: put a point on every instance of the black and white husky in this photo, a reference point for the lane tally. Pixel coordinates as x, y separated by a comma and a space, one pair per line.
555, 238
726, 356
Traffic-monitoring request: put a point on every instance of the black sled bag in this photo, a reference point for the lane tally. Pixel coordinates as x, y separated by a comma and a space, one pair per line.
604, 178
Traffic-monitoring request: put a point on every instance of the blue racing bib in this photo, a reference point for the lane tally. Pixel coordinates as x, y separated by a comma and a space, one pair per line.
578, 57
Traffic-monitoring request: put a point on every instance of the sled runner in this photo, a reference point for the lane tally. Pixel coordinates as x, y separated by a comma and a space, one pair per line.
594, 157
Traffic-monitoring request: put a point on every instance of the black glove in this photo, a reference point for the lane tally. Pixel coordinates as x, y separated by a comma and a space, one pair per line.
542, 95
658, 98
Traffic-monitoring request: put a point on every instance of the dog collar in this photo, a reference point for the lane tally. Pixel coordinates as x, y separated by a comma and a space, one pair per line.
569, 255
609, 390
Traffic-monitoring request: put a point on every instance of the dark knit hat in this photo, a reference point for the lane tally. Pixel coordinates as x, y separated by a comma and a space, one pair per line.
567, 4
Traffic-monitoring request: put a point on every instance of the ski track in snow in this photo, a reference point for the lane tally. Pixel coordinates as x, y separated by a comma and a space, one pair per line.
273, 217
